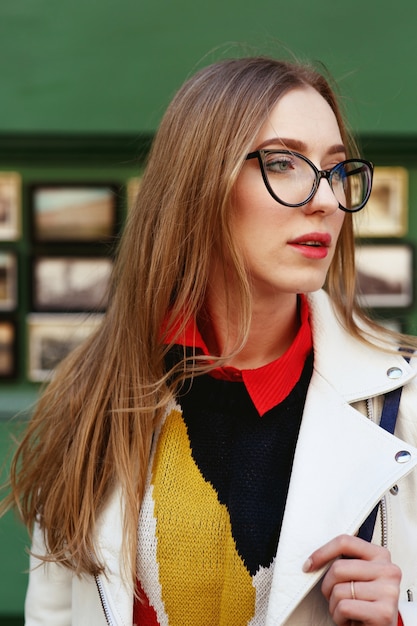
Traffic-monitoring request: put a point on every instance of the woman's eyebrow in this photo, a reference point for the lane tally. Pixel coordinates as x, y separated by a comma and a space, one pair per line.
337, 149
282, 142
298, 145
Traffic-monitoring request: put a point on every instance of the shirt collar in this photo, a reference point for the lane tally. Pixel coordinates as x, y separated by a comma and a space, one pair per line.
269, 384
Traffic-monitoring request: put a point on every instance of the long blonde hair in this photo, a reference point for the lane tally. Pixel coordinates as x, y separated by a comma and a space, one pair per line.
94, 424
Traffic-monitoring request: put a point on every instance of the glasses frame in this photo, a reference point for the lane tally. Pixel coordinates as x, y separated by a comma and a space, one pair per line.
319, 174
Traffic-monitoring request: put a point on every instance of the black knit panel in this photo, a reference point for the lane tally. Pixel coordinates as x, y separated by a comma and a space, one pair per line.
246, 458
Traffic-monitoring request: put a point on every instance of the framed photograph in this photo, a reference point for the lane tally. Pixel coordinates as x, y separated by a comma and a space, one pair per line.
7, 349
386, 213
51, 337
10, 206
73, 213
8, 281
385, 275
70, 283
392, 323
133, 185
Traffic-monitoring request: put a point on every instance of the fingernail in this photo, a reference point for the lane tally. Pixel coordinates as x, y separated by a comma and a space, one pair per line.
307, 565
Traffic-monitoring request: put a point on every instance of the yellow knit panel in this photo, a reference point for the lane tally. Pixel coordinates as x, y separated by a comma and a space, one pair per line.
204, 581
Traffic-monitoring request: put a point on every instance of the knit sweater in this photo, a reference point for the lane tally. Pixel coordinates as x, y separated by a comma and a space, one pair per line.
212, 512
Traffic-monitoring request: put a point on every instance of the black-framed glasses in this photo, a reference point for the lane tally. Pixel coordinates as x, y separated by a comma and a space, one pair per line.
292, 179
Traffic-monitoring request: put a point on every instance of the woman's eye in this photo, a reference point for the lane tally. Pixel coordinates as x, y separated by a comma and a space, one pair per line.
339, 176
280, 165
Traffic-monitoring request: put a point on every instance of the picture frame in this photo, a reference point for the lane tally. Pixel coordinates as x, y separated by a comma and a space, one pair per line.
8, 281
391, 323
385, 275
10, 206
133, 186
386, 213
73, 212
8, 349
70, 283
51, 337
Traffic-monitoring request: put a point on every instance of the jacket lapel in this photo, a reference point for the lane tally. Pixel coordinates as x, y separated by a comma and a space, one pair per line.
344, 463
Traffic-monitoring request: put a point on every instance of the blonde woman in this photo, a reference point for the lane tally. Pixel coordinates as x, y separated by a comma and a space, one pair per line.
209, 457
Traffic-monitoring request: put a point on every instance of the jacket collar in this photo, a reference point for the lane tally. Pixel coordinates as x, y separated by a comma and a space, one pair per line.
356, 370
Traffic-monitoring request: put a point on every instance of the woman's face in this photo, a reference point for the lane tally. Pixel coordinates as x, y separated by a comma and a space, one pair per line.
289, 249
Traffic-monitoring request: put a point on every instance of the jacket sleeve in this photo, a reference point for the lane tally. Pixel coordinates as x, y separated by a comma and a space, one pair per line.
408, 612
48, 598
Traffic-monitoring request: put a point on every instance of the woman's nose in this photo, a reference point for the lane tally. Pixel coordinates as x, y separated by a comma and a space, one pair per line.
323, 200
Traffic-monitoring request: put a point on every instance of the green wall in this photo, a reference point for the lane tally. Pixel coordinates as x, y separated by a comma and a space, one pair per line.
13, 545
54, 159
83, 84
112, 65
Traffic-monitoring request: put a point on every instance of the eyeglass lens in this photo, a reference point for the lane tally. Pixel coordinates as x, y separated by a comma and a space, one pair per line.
293, 180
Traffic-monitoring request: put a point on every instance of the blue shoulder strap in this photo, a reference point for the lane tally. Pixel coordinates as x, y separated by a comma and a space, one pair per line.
388, 421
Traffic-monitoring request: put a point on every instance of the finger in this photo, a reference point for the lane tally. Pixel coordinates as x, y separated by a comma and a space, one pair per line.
345, 570
372, 579
372, 602
344, 546
357, 612
363, 592
339, 593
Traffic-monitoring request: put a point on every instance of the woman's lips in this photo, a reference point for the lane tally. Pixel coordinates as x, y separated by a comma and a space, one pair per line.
312, 245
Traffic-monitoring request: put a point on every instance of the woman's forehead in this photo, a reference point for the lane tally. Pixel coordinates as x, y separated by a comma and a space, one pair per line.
301, 117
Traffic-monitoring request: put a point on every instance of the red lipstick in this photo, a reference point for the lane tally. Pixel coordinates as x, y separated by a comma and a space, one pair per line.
312, 245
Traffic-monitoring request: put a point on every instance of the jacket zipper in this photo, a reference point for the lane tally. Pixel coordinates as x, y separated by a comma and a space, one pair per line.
383, 506
384, 522
383, 501
103, 600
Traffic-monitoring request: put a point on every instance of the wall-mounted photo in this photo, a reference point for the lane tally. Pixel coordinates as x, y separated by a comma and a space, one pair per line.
8, 281
7, 349
51, 337
70, 283
10, 206
392, 324
385, 275
386, 213
75, 213
133, 185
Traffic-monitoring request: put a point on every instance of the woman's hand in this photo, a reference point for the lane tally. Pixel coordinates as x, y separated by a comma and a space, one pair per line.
362, 585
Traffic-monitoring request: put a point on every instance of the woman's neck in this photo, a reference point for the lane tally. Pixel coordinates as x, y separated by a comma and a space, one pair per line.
273, 328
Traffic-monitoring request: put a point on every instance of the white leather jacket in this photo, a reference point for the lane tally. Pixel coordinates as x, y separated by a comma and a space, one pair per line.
344, 464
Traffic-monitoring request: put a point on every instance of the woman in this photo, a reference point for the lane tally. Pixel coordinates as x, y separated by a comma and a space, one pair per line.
209, 455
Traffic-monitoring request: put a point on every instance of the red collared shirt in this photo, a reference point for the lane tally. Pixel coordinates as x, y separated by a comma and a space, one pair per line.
269, 384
